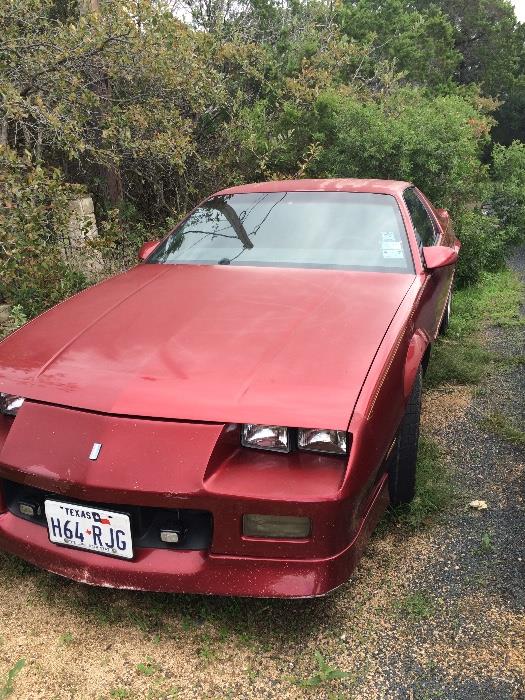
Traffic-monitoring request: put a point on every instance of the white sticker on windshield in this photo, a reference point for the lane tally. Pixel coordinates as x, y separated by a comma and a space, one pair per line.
391, 248
398, 254
388, 236
391, 245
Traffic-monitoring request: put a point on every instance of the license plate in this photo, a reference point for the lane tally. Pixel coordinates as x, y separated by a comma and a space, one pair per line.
94, 529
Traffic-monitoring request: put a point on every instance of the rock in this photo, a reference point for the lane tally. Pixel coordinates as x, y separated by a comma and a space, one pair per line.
4, 312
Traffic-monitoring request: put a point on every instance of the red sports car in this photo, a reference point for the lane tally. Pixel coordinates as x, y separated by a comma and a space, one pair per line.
233, 415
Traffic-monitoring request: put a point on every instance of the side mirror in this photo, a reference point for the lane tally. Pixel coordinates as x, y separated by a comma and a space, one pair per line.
439, 256
146, 249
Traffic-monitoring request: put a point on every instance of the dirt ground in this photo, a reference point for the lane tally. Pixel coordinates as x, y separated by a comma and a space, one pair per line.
435, 612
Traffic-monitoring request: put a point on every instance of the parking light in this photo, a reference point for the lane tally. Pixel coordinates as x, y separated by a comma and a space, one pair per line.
288, 527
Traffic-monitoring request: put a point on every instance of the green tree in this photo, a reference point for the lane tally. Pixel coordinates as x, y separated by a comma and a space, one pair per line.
486, 35
420, 42
34, 216
126, 89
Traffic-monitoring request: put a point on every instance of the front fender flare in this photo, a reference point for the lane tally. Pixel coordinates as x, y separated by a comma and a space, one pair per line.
418, 346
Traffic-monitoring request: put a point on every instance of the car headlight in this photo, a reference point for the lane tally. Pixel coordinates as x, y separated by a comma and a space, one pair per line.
10, 403
266, 437
320, 440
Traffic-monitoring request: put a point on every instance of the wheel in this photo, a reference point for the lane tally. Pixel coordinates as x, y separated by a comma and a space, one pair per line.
402, 460
446, 316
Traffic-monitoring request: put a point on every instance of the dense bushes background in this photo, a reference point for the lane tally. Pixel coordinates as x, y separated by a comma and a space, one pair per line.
150, 113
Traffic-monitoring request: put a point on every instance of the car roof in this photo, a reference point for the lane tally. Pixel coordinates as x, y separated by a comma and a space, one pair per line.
394, 187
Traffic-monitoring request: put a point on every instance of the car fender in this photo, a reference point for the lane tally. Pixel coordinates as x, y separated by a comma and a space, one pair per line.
417, 348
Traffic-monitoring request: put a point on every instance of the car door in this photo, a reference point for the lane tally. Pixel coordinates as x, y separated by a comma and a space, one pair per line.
428, 233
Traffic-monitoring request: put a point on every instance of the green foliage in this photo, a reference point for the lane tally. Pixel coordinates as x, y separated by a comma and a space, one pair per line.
415, 606
420, 41
434, 142
434, 489
485, 36
508, 167
459, 357
150, 114
460, 363
325, 674
147, 669
34, 215
17, 318
503, 426
487, 544
8, 688
483, 245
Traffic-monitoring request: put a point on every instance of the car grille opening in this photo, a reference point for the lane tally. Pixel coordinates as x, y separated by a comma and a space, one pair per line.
196, 526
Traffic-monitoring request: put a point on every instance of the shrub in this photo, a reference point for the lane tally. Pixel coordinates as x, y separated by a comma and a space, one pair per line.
508, 170
483, 245
34, 215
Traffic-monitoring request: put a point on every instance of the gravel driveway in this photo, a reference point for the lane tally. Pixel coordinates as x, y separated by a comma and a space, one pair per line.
438, 612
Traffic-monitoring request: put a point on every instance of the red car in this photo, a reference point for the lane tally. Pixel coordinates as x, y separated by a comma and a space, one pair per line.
233, 415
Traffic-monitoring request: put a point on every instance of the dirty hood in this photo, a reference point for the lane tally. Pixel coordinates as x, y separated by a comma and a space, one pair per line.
209, 343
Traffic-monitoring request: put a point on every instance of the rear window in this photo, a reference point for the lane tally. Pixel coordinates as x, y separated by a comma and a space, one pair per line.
345, 230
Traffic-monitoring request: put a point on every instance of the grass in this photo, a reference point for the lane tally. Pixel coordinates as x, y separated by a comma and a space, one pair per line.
325, 674
502, 426
147, 668
459, 357
8, 688
434, 490
66, 638
415, 606
487, 544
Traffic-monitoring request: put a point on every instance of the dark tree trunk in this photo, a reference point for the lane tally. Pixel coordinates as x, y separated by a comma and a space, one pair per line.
110, 174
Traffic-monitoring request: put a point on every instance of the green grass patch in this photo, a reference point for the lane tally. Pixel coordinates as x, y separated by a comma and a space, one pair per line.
456, 362
486, 545
415, 606
459, 357
434, 488
325, 674
8, 688
502, 426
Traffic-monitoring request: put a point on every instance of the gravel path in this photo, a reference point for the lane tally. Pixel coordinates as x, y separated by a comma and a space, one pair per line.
438, 613
473, 648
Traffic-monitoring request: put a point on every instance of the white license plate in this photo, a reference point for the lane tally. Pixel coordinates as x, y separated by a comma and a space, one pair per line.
94, 529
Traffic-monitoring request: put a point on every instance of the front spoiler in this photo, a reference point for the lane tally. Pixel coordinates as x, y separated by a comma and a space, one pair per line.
162, 570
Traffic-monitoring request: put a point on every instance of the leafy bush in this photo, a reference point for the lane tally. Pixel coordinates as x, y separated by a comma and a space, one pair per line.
483, 245
434, 142
508, 200
34, 215
152, 115
16, 319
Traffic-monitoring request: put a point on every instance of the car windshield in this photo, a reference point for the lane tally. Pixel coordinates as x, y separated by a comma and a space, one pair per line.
347, 230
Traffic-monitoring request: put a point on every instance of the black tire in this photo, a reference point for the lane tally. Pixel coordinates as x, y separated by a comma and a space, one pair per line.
443, 328
403, 459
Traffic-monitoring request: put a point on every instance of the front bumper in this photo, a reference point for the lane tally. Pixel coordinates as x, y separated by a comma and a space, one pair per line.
200, 572
176, 465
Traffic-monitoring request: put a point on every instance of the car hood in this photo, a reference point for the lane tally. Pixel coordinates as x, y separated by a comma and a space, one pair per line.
209, 343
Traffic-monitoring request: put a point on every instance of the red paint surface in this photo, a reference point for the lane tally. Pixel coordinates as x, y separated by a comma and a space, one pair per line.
162, 363
209, 343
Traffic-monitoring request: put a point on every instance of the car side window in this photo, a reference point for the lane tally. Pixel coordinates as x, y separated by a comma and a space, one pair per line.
423, 225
